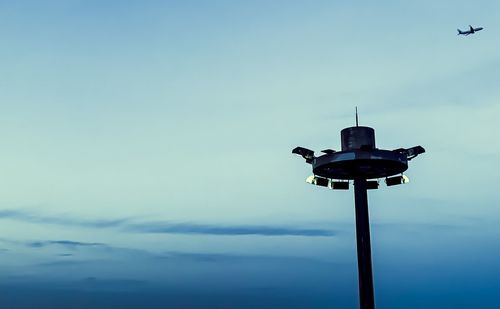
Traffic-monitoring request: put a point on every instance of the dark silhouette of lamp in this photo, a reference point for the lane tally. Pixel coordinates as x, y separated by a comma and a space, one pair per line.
359, 161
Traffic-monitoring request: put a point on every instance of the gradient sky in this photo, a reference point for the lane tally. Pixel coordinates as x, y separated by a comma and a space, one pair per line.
145, 155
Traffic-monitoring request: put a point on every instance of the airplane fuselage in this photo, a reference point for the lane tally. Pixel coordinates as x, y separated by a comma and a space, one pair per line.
470, 31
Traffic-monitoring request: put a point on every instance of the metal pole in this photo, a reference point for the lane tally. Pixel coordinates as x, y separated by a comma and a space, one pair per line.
366, 298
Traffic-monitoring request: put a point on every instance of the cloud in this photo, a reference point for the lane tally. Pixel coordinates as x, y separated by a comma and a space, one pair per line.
420, 225
65, 243
62, 263
236, 230
163, 227
231, 257
26, 216
106, 254
65, 254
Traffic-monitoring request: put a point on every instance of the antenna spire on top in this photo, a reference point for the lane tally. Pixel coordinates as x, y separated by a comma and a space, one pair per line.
356, 116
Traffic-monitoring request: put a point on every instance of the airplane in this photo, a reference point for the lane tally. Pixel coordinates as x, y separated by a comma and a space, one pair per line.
470, 31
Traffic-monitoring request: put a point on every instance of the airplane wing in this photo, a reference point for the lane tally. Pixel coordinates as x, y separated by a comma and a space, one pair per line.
471, 29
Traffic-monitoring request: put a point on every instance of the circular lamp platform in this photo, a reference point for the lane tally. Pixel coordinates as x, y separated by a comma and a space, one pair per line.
352, 164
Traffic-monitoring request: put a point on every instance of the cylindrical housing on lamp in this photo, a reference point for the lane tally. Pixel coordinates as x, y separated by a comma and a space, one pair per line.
357, 138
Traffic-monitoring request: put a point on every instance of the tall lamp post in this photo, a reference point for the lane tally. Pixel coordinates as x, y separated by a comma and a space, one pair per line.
363, 163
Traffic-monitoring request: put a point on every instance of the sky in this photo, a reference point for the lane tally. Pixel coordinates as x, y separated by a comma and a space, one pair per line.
145, 153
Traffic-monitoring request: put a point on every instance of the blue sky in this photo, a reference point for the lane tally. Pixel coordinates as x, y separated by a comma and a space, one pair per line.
146, 152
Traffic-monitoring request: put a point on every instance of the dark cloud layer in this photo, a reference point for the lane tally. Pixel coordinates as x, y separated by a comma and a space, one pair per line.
62, 263
190, 228
163, 227
233, 257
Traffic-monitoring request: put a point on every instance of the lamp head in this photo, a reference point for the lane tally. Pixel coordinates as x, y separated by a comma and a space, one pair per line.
305, 153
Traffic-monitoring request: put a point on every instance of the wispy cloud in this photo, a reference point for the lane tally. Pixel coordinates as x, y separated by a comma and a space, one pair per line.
65, 243
190, 228
165, 227
101, 254
231, 257
62, 263
32, 217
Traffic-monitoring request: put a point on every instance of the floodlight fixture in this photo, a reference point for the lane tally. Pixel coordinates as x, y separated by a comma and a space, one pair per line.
410, 153
311, 179
414, 151
322, 182
372, 184
397, 180
305, 153
318, 181
340, 185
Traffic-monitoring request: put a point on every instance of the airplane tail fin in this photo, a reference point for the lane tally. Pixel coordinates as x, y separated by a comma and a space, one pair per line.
459, 31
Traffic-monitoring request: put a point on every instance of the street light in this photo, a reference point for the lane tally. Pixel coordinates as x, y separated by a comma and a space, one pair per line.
358, 161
